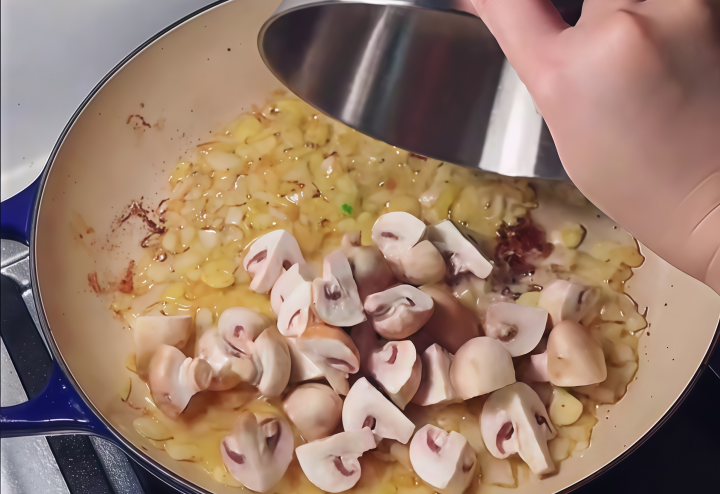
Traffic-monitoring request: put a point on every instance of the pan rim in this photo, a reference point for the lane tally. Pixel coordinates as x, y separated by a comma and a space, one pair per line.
127, 446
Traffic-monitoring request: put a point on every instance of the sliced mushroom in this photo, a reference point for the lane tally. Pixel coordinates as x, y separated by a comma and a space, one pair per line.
567, 301
534, 369
435, 385
399, 311
397, 232
514, 420
445, 461
333, 352
371, 271
301, 367
335, 296
481, 366
239, 327
423, 264
399, 236
366, 341
574, 356
294, 314
462, 251
315, 409
268, 256
286, 284
518, 327
451, 324
153, 331
227, 370
365, 406
174, 379
258, 450
332, 463
397, 368
274, 357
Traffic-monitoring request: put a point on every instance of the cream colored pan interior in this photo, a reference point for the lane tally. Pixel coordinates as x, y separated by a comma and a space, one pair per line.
166, 100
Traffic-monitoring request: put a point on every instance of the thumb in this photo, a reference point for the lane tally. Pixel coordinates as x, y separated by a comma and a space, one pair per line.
523, 28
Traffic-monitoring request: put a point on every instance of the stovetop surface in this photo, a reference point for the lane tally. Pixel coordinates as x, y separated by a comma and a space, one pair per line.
683, 456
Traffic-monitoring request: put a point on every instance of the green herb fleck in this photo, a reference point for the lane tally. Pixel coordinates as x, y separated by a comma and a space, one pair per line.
347, 208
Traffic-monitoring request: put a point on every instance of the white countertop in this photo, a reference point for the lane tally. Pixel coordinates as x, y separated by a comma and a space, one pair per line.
53, 53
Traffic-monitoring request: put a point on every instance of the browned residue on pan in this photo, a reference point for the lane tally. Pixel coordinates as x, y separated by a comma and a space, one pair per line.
126, 283
418, 156
136, 209
137, 121
93, 282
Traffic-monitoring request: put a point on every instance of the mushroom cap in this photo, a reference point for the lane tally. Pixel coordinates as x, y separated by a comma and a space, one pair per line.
397, 368
565, 300
446, 461
295, 311
518, 327
315, 409
268, 256
514, 420
451, 324
332, 463
335, 295
365, 406
397, 232
239, 327
421, 265
227, 370
399, 311
481, 366
174, 379
399, 236
301, 367
151, 332
366, 341
459, 246
258, 450
534, 369
574, 356
286, 284
272, 352
332, 351
370, 270
435, 385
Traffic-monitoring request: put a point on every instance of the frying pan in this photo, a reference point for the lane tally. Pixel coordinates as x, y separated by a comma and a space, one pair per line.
120, 145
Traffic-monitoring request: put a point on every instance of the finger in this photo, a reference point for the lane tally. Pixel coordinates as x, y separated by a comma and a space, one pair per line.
523, 28
594, 8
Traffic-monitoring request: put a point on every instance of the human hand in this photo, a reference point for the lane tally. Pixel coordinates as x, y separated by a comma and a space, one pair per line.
631, 95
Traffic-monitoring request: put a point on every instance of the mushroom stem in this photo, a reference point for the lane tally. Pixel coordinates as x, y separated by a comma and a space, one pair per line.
174, 379
333, 352
435, 386
365, 406
514, 420
258, 450
399, 311
397, 367
445, 461
332, 463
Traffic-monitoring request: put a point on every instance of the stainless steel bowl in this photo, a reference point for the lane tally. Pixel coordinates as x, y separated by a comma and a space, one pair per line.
423, 75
